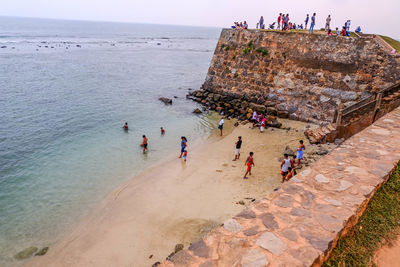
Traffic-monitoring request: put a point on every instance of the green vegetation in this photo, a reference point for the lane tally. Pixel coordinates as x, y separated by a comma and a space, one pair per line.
246, 50
392, 42
379, 223
225, 46
251, 45
263, 51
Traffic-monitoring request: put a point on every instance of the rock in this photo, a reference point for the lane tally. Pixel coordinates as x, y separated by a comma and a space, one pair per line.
348, 96
236, 124
272, 243
258, 108
269, 222
272, 111
166, 101
156, 264
275, 124
241, 202
283, 114
178, 247
182, 258
247, 214
322, 151
320, 178
197, 111
26, 253
328, 222
289, 234
199, 248
254, 258
251, 231
288, 151
232, 226
42, 251
344, 185
284, 201
339, 141
300, 212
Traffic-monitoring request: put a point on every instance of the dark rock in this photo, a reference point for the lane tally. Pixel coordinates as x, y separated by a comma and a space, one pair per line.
197, 111
236, 124
178, 247
182, 258
284, 201
251, 231
199, 249
156, 264
26, 253
42, 251
283, 114
166, 101
247, 214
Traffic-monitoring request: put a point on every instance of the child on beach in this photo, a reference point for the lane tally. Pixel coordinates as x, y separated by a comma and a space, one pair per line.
290, 174
285, 166
162, 131
300, 152
221, 125
249, 162
183, 145
237, 149
144, 144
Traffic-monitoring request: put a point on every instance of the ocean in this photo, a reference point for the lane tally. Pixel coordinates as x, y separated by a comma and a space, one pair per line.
66, 89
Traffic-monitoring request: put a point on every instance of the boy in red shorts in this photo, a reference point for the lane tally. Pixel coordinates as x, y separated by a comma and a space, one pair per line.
249, 162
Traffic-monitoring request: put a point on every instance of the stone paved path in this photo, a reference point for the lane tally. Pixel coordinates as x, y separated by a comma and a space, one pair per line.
299, 224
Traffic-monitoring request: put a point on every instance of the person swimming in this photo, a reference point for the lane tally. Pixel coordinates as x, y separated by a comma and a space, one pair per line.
162, 131
125, 127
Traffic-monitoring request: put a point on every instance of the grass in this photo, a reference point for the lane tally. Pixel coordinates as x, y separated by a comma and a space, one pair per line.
379, 224
392, 42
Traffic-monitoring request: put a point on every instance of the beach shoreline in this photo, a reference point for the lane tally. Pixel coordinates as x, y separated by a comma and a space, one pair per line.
174, 202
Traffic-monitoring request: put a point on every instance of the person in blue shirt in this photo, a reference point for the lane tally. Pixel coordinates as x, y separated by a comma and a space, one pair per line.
312, 24
306, 21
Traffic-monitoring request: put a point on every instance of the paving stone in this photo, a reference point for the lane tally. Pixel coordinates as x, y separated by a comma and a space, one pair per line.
306, 172
251, 231
306, 255
254, 258
380, 131
334, 202
284, 201
199, 248
296, 180
307, 199
323, 208
366, 190
328, 222
268, 219
291, 189
247, 214
232, 225
356, 170
289, 234
272, 243
182, 258
319, 242
344, 185
300, 212
320, 178
208, 264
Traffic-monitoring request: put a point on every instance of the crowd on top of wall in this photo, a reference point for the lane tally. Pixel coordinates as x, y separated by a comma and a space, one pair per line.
283, 23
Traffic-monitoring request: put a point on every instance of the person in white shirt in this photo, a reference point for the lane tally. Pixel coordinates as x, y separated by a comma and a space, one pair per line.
328, 23
285, 165
221, 124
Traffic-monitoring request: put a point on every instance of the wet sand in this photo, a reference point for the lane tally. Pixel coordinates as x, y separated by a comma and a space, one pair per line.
176, 202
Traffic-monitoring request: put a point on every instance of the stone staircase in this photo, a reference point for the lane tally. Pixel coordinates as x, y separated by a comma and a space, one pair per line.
321, 134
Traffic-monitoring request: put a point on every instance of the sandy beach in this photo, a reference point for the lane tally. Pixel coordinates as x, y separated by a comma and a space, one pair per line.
176, 202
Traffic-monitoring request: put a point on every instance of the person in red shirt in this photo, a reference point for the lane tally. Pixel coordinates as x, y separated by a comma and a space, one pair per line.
125, 126
279, 21
144, 144
162, 131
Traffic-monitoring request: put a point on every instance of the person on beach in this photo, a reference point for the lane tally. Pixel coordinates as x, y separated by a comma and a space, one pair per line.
306, 21
237, 149
328, 23
300, 152
290, 174
312, 24
293, 164
183, 145
262, 124
162, 131
284, 166
221, 125
125, 127
144, 144
337, 31
249, 163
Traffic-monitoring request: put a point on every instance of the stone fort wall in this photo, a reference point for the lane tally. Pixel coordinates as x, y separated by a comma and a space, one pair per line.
295, 75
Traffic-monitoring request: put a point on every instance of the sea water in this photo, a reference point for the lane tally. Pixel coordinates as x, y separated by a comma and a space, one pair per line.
66, 89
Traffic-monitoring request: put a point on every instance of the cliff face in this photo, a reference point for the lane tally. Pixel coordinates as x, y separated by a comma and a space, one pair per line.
294, 75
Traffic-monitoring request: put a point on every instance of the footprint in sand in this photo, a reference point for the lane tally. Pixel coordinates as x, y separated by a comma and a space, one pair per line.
234, 166
218, 170
225, 164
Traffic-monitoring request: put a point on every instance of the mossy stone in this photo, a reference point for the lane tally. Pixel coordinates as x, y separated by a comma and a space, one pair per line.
26, 253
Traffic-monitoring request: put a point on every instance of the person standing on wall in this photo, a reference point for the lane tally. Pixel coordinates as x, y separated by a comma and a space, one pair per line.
328, 23
279, 21
306, 21
312, 24
261, 22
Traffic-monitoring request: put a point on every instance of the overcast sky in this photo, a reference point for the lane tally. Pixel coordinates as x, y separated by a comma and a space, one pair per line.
378, 16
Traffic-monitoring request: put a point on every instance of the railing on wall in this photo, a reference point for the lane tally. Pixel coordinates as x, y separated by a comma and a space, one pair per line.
365, 106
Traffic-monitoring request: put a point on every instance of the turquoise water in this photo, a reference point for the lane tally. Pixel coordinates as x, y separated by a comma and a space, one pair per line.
62, 148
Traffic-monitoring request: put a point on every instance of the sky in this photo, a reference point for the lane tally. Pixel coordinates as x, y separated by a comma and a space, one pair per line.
377, 16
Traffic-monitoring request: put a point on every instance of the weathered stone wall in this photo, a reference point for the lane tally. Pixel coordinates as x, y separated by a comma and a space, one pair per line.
294, 75
300, 224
